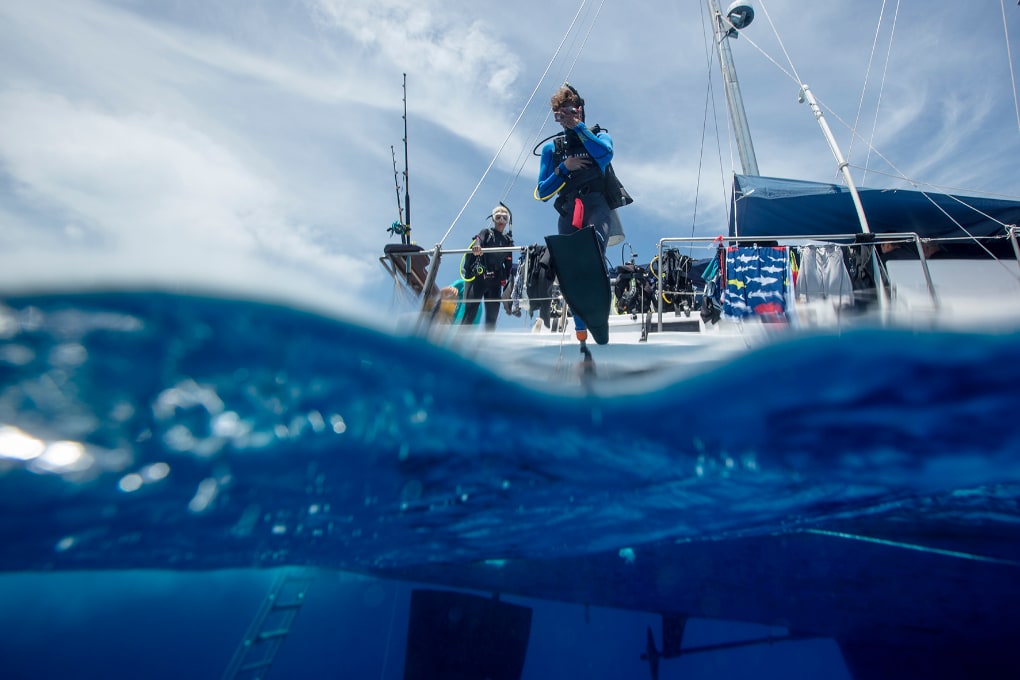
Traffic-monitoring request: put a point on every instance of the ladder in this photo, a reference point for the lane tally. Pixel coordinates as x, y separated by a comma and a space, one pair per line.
273, 622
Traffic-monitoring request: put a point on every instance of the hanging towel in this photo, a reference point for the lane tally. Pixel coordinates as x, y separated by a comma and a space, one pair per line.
823, 275
756, 280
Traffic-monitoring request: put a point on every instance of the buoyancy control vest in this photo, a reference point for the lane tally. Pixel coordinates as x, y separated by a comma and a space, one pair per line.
489, 266
582, 181
589, 179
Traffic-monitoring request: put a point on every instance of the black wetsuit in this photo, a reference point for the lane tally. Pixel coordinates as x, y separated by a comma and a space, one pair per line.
486, 276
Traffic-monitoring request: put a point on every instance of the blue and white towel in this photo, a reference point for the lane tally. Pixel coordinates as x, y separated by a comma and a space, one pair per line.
756, 281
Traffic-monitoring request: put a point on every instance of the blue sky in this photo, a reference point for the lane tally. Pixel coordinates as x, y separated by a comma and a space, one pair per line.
245, 146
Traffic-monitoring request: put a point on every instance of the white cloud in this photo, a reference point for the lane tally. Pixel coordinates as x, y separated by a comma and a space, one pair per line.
141, 178
151, 188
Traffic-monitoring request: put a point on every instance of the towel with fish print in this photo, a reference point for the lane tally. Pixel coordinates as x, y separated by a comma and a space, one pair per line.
756, 281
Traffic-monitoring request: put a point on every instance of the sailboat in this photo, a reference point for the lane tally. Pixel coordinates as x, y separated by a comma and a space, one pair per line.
915, 256
834, 471
891, 257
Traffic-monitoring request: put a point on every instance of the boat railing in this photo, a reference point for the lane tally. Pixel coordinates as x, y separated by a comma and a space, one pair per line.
433, 258
413, 276
418, 281
424, 277
854, 240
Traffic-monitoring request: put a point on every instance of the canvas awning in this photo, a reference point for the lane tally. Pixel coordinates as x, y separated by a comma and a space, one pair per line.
770, 206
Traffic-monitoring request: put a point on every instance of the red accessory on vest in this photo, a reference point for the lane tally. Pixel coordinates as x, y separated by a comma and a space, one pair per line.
578, 220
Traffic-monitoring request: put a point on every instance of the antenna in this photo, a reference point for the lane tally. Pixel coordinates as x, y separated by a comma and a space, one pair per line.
406, 239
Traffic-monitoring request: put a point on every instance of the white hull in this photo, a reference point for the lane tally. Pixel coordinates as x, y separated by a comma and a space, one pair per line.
971, 296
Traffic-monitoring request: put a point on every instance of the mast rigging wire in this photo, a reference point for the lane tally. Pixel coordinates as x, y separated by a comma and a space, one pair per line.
881, 91
1009, 55
915, 184
709, 105
708, 37
867, 75
516, 122
523, 156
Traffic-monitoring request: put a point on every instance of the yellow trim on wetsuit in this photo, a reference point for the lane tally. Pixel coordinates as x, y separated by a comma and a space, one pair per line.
546, 198
463, 259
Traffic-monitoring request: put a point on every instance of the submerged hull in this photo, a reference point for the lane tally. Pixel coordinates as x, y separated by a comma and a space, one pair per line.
896, 611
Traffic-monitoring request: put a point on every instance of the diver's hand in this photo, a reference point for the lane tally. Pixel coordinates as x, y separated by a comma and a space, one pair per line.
576, 163
569, 122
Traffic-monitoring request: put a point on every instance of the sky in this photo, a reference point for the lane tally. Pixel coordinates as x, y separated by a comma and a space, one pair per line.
248, 147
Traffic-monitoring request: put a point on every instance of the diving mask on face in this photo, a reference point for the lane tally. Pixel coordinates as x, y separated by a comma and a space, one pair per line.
563, 112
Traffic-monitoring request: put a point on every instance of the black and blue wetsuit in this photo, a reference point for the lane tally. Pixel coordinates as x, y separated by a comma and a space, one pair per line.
586, 185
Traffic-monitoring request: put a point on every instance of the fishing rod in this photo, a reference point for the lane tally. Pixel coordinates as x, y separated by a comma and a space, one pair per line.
396, 182
406, 238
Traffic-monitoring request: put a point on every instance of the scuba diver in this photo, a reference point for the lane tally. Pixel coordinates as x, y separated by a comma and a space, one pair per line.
487, 274
573, 169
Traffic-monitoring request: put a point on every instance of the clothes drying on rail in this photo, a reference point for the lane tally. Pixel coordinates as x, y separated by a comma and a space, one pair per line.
517, 300
714, 287
532, 284
756, 281
823, 275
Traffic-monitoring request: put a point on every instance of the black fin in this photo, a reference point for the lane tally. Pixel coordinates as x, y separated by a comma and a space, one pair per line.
581, 270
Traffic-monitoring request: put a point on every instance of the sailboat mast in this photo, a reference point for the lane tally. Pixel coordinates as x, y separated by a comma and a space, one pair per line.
724, 29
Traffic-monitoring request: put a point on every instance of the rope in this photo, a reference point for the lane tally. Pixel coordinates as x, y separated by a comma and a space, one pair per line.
768, 57
584, 41
524, 156
502, 299
912, 546
867, 75
941, 188
916, 185
978, 241
710, 53
709, 104
782, 45
1009, 54
514, 127
881, 91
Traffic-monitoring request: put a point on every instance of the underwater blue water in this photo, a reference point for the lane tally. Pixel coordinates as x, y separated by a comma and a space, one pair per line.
169, 432
164, 625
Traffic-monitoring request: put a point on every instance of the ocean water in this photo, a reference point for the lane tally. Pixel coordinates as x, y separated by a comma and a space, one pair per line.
161, 454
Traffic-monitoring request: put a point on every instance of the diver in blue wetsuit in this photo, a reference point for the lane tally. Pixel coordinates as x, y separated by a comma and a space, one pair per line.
573, 170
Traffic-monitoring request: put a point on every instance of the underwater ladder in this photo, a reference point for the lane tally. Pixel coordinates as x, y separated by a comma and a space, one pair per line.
271, 626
